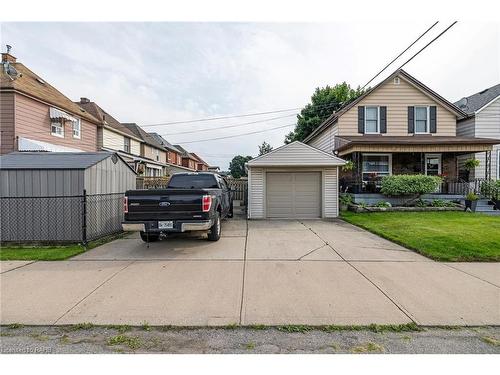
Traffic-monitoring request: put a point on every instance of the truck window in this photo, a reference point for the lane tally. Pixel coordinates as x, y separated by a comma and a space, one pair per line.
194, 181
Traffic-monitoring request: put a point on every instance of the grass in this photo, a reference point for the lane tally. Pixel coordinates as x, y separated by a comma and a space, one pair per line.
50, 252
491, 340
444, 236
367, 348
131, 341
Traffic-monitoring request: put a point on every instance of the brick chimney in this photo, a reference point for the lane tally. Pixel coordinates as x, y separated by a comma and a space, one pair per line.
6, 56
84, 100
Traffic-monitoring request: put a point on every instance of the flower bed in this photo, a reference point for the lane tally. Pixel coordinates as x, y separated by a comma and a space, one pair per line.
356, 208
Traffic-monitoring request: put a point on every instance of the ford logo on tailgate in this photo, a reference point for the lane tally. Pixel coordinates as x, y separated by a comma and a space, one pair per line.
164, 204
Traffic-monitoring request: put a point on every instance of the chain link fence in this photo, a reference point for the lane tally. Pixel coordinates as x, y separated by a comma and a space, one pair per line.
77, 218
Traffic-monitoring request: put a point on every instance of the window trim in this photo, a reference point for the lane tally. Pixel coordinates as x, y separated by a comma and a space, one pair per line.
58, 121
79, 122
434, 155
378, 119
498, 164
427, 121
125, 144
389, 155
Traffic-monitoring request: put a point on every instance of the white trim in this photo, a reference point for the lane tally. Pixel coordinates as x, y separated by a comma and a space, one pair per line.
378, 119
427, 125
487, 104
56, 121
376, 154
498, 164
434, 155
77, 121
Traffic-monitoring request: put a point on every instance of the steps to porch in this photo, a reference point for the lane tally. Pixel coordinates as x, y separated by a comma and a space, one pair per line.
484, 207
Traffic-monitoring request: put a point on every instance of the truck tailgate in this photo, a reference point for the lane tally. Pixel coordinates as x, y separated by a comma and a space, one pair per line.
167, 204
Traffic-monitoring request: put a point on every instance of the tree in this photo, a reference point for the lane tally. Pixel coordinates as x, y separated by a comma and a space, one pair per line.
237, 166
324, 102
264, 148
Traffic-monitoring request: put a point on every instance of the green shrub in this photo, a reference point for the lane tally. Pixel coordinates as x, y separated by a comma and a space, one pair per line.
348, 166
441, 203
420, 203
490, 189
346, 199
472, 196
383, 204
471, 164
410, 184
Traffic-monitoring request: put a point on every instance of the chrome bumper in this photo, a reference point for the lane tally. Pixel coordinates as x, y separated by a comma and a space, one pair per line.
133, 227
202, 225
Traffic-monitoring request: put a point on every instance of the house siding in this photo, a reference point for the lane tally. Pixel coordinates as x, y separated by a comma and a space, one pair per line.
330, 193
150, 153
256, 193
107, 177
466, 128
397, 98
115, 141
32, 121
7, 129
326, 140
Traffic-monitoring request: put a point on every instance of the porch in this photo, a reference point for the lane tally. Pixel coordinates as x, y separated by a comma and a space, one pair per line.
374, 157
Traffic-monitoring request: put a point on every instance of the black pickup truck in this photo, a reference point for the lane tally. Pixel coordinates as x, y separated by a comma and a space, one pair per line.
191, 202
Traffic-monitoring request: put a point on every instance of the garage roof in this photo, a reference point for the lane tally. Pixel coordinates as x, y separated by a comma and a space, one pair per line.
296, 154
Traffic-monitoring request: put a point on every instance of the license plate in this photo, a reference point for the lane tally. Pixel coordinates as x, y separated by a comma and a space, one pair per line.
165, 224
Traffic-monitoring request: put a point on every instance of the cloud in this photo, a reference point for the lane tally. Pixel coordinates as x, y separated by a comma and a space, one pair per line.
162, 72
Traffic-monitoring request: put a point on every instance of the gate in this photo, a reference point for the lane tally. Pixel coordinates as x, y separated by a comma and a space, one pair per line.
239, 189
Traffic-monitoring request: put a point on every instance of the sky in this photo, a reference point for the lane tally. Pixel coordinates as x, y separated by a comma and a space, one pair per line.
152, 73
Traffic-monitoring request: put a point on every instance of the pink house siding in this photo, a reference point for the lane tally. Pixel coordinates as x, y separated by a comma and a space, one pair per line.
7, 135
32, 121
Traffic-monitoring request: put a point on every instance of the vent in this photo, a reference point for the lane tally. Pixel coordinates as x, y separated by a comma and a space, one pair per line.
39, 80
397, 81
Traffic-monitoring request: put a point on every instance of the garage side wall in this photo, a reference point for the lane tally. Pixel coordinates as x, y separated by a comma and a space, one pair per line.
330, 193
256, 193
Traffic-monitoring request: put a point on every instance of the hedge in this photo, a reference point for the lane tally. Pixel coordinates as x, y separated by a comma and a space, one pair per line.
410, 184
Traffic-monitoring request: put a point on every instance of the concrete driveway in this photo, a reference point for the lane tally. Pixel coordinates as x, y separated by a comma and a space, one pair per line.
260, 272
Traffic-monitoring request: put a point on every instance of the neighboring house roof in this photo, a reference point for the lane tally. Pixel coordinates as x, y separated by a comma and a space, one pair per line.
401, 73
348, 141
53, 160
296, 154
34, 86
104, 117
199, 159
474, 103
146, 137
185, 153
164, 142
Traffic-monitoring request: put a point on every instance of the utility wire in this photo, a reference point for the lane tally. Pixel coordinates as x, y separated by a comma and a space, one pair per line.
398, 56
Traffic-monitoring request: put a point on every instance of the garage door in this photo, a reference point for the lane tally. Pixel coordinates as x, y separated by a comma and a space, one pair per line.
293, 195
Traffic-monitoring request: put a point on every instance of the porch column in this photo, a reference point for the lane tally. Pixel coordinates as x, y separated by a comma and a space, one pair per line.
487, 165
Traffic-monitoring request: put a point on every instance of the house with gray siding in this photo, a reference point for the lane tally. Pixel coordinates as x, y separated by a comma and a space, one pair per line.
483, 109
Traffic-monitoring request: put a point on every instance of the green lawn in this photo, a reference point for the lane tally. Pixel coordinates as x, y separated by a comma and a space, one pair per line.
55, 252
444, 236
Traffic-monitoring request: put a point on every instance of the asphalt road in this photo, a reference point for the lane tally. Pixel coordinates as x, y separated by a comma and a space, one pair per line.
92, 339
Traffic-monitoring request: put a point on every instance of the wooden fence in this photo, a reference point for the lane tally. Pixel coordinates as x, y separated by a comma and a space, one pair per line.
239, 189
143, 182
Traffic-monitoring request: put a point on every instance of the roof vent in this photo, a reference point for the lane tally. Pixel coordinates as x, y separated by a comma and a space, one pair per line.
397, 81
39, 80
482, 92
84, 100
462, 103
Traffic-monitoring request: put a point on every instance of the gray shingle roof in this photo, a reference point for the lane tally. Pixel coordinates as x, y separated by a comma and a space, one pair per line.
164, 142
471, 104
141, 133
52, 160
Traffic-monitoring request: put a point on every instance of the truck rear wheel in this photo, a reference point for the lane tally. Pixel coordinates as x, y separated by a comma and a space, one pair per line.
214, 233
151, 237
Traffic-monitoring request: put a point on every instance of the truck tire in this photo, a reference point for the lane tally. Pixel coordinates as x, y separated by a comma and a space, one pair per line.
214, 232
152, 237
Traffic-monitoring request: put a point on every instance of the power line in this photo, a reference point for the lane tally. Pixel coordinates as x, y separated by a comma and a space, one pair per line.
398, 56
236, 135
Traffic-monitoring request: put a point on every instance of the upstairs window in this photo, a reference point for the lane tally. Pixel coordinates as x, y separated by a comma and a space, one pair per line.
372, 120
421, 120
57, 127
77, 130
157, 154
126, 144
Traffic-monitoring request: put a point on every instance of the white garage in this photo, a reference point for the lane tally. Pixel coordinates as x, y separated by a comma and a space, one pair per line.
294, 181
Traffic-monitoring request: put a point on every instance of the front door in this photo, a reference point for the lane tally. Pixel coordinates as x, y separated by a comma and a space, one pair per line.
432, 164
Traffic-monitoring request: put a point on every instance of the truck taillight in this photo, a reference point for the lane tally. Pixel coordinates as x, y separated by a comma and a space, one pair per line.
206, 203
125, 205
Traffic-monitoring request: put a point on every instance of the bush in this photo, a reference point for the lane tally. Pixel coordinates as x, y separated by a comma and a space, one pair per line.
420, 203
471, 196
471, 164
410, 184
442, 203
346, 199
383, 204
490, 189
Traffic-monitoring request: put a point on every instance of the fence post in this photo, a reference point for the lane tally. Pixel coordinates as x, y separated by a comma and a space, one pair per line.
84, 218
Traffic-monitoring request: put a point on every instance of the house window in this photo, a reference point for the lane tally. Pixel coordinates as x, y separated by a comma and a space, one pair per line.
57, 127
77, 130
372, 123
421, 120
376, 166
126, 144
157, 154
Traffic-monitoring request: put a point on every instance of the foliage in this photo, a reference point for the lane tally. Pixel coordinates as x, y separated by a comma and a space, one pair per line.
346, 199
471, 196
441, 235
383, 204
237, 166
441, 203
490, 189
362, 204
264, 148
420, 203
471, 164
131, 341
324, 102
348, 166
409, 184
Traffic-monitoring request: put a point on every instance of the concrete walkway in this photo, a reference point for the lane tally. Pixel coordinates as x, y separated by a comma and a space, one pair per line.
260, 272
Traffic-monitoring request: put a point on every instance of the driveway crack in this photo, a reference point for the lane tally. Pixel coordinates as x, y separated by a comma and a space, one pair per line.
244, 273
92, 292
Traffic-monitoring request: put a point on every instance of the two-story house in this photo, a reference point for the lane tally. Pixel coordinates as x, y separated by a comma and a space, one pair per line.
400, 126
483, 109
35, 116
174, 155
188, 160
201, 165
